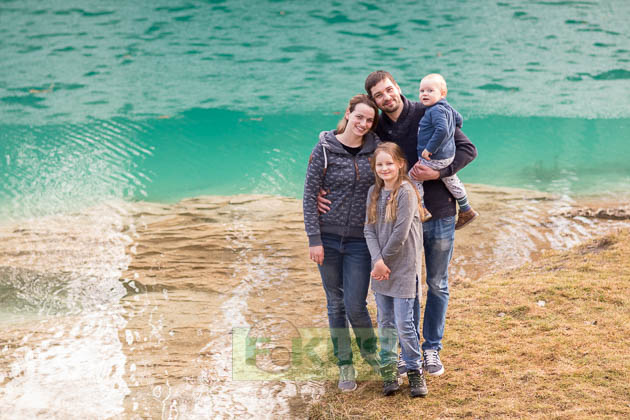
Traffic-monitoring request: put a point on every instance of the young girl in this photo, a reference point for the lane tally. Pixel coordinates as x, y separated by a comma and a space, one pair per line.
394, 237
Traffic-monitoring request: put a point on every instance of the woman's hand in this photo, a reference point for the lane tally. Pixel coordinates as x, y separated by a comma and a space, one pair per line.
316, 254
380, 271
426, 154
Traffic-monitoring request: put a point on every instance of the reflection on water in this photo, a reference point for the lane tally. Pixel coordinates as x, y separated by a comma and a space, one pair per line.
146, 297
67, 368
60, 294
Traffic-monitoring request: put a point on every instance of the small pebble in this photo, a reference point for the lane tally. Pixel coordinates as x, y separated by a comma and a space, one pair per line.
541, 303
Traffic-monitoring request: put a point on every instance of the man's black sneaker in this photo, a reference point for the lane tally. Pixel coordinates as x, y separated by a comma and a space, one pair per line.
431, 361
417, 384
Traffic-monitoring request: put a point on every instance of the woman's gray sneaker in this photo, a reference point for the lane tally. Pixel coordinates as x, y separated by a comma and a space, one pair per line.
347, 382
431, 361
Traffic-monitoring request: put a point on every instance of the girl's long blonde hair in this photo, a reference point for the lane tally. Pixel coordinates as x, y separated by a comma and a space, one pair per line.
391, 209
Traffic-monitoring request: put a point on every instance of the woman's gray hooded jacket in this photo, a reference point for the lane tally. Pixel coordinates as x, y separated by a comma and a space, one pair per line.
346, 180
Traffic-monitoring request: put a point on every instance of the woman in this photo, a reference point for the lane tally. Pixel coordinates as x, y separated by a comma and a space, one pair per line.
340, 165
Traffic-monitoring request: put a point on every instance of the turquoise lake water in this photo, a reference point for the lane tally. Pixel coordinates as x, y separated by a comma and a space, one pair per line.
116, 310
161, 101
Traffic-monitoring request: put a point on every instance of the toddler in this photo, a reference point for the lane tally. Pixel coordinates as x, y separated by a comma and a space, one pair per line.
436, 142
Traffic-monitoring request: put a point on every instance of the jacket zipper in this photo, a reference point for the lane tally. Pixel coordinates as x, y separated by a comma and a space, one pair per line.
354, 188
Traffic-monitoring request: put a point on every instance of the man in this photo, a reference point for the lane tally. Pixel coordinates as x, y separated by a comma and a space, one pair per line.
399, 123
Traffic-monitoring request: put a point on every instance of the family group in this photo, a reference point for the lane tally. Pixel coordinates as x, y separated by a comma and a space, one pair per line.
381, 190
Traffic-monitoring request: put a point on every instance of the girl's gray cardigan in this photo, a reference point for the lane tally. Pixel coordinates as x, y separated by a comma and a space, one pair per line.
398, 243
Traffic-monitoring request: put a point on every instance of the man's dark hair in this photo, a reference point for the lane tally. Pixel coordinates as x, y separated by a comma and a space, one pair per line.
374, 78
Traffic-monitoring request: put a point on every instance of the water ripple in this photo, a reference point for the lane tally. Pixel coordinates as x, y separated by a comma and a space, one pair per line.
190, 56
67, 167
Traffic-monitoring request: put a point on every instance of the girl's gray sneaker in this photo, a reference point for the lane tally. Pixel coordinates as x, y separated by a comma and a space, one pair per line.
417, 384
347, 382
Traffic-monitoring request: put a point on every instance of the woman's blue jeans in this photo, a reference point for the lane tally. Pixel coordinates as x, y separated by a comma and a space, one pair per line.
346, 279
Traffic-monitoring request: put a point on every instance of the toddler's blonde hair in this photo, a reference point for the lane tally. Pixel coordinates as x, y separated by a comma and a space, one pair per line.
439, 79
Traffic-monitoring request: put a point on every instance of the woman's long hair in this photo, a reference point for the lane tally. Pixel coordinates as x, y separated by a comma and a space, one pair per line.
354, 101
391, 209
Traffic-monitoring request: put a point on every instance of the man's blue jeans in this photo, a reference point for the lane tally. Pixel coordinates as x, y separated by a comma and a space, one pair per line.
346, 279
396, 322
439, 235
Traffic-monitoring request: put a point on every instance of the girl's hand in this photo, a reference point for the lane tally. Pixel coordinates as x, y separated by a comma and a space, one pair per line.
426, 154
380, 271
316, 254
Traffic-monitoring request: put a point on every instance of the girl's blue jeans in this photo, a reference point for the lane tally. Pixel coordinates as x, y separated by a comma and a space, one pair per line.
396, 322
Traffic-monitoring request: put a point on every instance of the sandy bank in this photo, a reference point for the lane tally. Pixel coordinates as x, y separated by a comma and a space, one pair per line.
179, 277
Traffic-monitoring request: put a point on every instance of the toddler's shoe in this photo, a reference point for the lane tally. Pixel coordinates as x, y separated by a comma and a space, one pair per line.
465, 217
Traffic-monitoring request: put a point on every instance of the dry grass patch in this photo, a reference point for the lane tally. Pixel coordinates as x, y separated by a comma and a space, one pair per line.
550, 339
